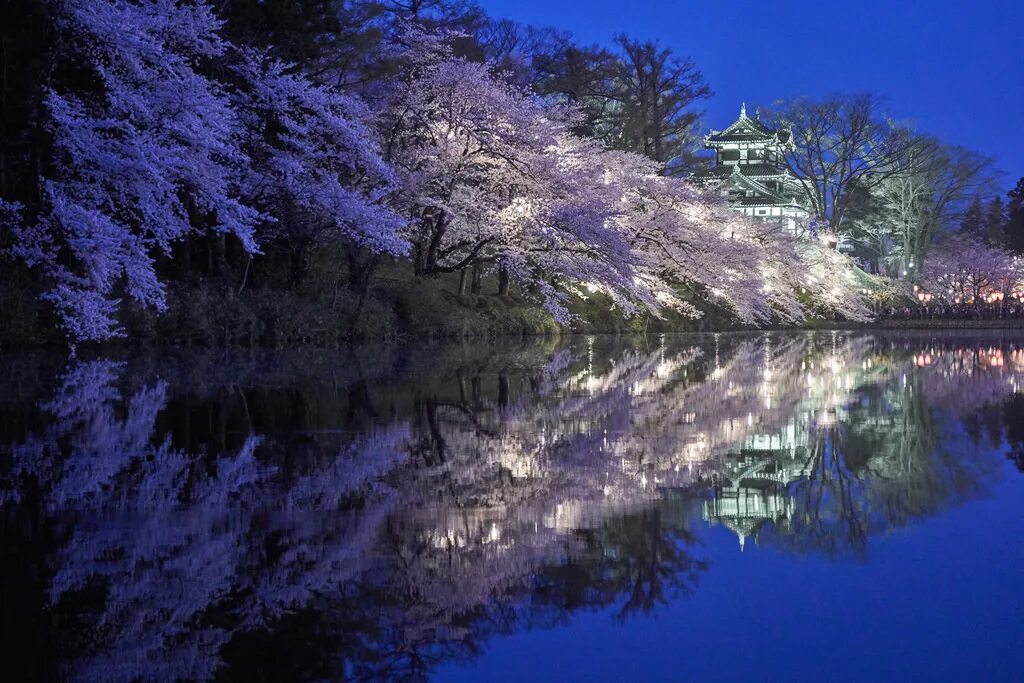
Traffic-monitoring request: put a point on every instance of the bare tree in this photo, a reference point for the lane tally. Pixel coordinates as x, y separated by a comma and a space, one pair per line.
841, 143
583, 77
926, 190
435, 14
655, 97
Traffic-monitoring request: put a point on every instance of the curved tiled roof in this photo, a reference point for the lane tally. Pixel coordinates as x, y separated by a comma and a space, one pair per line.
769, 184
746, 129
765, 200
739, 137
749, 170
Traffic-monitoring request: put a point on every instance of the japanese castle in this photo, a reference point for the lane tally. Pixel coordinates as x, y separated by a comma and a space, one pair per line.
750, 168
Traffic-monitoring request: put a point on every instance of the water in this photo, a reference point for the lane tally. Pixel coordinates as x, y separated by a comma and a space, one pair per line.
830, 506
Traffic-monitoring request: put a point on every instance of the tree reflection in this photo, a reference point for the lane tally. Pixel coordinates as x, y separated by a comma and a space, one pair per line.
190, 516
1013, 420
893, 453
636, 561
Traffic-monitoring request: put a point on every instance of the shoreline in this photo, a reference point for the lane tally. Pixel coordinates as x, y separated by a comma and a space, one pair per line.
401, 340
968, 324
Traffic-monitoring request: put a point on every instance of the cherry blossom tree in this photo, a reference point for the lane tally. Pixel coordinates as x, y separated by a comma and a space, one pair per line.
163, 149
564, 237
140, 161
316, 164
964, 269
689, 238
461, 142
491, 176
452, 163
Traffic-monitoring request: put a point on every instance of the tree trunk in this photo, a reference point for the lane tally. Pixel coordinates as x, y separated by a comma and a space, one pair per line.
477, 279
186, 252
502, 391
297, 263
503, 281
463, 279
427, 255
359, 276
360, 272
220, 246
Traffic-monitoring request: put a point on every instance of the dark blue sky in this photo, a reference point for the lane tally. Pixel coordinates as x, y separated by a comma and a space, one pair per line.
955, 68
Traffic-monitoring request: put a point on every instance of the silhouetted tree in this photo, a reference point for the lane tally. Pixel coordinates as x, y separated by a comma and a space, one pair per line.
841, 142
656, 93
1014, 226
973, 221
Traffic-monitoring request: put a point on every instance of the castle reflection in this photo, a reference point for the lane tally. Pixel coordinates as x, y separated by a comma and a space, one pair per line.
752, 486
192, 515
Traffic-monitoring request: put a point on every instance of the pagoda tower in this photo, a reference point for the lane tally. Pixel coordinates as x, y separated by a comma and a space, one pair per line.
750, 169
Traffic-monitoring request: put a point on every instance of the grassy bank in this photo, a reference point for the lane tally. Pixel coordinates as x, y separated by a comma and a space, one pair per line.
323, 311
398, 306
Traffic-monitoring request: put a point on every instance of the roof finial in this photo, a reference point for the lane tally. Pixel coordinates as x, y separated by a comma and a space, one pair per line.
743, 109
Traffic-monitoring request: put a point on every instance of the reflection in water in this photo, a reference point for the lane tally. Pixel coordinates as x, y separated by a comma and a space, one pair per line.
318, 515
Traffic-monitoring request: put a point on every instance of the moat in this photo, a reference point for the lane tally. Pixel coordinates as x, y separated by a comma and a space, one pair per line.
829, 505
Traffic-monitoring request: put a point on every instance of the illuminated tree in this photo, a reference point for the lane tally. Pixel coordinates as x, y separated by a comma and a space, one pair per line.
841, 144
926, 196
140, 161
967, 270
315, 164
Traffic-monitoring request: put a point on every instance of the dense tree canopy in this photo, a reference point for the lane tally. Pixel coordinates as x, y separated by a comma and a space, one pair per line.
249, 143
885, 190
149, 153
964, 269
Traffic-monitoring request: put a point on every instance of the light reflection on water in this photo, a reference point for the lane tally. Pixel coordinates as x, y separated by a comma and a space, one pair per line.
359, 515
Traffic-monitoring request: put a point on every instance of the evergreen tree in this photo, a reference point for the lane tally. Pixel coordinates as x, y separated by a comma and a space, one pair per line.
298, 31
1013, 227
973, 221
995, 219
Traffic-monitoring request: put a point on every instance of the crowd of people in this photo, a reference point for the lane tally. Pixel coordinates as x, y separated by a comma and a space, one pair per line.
1001, 310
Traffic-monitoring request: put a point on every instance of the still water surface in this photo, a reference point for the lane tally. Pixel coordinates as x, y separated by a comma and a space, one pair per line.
828, 506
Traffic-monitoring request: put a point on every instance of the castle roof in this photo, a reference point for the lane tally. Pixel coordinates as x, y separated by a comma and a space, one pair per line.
754, 182
748, 170
746, 129
763, 195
